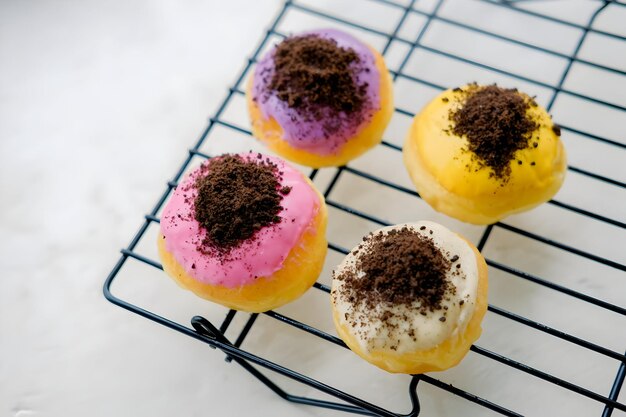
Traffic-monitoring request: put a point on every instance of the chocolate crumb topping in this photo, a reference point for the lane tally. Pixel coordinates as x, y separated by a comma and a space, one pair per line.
401, 267
496, 125
312, 72
320, 79
235, 199
556, 129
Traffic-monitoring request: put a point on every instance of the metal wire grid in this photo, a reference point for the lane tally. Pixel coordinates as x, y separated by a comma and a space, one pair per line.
205, 331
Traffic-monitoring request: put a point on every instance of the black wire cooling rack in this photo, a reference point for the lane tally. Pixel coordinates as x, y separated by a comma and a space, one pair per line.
405, 44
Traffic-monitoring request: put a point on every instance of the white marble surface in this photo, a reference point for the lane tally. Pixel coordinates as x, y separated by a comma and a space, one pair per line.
98, 103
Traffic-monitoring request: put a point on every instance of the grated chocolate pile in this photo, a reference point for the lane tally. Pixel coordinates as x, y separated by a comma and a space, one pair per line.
311, 72
235, 199
496, 124
401, 267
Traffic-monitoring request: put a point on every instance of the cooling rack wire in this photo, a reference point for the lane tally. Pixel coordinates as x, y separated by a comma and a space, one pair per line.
555, 334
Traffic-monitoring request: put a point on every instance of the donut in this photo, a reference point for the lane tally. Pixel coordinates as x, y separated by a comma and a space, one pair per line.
481, 153
320, 98
246, 231
410, 298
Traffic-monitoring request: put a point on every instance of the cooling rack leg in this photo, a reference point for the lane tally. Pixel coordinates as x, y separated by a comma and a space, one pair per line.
208, 330
615, 389
415, 402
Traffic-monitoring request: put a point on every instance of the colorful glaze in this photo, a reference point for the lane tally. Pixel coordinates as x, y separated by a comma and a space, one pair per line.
299, 130
260, 256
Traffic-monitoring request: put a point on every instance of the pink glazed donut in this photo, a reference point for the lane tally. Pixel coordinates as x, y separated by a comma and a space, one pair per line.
246, 231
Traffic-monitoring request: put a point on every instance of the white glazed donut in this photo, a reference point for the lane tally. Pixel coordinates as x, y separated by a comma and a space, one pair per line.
410, 298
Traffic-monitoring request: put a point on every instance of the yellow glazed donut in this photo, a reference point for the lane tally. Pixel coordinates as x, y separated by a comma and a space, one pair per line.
246, 231
481, 153
411, 298
320, 99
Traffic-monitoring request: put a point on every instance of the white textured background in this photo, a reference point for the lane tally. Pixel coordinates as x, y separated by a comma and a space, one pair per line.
98, 103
